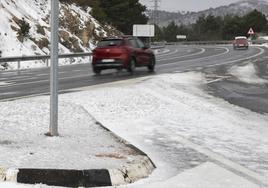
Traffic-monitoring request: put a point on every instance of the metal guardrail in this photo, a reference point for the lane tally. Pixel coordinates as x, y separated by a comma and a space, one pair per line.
44, 58
258, 41
199, 42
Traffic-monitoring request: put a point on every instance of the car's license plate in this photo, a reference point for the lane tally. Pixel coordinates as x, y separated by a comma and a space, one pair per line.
107, 60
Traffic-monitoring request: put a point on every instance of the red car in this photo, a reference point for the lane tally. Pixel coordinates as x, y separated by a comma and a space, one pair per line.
240, 43
127, 52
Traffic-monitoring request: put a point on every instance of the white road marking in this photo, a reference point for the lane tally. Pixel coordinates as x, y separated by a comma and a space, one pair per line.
3, 83
218, 79
44, 81
85, 88
36, 76
169, 53
166, 64
75, 77
236, 60
189, 55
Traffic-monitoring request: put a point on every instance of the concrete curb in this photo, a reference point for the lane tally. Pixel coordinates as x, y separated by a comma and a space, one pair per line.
2, 174
140, 168
130, 173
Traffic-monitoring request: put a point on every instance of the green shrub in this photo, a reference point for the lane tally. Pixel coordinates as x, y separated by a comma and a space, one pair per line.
24, 29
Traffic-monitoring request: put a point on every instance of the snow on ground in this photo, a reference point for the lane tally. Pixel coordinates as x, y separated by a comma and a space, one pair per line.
264, 37
165, 107
170, 105
24, 145
206, 175
247, 73
15, 185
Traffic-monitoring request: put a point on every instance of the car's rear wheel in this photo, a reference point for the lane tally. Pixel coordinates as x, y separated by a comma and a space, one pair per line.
151, 66
96, 70
132, 65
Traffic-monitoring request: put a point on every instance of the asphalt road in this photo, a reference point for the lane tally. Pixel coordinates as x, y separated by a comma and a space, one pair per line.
209, 59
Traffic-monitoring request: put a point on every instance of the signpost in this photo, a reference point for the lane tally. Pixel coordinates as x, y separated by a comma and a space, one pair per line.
183, 37
144, 31
54, 22
251, 32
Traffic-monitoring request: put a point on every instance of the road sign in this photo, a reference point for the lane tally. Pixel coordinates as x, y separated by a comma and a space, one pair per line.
143, 30
251, 32
181, 37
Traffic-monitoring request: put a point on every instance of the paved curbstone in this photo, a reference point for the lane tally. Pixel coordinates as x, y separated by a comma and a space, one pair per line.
66, 178
11, 174
8, 174
2, 174
134, 171
130, 172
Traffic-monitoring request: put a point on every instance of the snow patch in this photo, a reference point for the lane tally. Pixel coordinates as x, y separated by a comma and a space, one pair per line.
247, 73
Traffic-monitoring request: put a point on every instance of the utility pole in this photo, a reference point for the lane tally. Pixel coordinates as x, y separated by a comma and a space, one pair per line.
155, 11
54, 56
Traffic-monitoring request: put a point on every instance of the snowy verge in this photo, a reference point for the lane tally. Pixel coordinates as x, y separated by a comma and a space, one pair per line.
247, 73
169, 106
207, 175
158, 111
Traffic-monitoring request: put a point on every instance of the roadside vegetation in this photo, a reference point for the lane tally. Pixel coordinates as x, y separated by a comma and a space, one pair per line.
123, 14
24, 29
215, 28
120, 14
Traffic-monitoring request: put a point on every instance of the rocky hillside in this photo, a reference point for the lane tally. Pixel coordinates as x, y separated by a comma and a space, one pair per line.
240, 8
79, 31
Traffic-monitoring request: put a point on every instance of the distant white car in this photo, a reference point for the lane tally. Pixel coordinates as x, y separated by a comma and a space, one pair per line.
240, 42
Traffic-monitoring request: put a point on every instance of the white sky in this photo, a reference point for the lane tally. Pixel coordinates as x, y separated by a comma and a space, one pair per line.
187, 5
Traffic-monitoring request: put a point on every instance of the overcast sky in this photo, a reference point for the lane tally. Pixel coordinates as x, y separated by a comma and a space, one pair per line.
187, 5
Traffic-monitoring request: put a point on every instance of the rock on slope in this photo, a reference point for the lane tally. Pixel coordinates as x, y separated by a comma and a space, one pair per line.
78, 31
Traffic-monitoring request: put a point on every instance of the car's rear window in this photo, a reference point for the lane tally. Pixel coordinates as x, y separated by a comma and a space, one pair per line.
112, 42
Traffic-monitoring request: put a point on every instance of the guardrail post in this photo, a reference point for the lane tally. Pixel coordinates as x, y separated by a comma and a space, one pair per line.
90, 58
18, 66
46, 61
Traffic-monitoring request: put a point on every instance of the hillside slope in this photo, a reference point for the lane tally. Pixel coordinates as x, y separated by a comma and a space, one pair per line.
239, 8
78, 31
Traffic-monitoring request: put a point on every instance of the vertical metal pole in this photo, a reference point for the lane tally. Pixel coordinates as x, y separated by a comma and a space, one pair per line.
54, 22
18, 66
